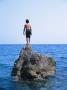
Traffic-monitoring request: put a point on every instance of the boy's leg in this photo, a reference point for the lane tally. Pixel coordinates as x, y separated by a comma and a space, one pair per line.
27, 40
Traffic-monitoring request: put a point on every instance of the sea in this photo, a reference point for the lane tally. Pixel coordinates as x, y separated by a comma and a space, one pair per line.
10, 52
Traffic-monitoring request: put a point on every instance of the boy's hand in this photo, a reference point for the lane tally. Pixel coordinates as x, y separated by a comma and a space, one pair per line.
24, 32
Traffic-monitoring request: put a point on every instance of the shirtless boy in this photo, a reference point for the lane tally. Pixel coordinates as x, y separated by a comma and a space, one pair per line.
28, 31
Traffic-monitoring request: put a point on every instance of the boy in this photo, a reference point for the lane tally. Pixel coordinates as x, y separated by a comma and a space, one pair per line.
27, 30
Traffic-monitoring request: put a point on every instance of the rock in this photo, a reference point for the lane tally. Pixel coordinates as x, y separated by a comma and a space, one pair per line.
33, 66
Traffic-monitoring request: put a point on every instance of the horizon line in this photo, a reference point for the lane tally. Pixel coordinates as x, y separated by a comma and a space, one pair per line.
31, 43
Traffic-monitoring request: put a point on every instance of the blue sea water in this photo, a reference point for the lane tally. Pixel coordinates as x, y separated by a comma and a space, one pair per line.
8, 55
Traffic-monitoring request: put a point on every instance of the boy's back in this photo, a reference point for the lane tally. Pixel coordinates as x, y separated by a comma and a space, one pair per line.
28, 26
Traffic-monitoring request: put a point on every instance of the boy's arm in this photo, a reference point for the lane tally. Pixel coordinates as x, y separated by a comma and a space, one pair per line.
24, 30
31, 30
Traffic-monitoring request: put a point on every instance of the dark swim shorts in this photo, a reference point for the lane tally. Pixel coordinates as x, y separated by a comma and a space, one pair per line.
28, 33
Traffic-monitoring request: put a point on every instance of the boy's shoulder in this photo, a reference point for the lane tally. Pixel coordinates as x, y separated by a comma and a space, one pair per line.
27, 24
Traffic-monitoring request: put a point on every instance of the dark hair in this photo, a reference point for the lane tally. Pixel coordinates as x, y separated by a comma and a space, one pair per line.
27, 20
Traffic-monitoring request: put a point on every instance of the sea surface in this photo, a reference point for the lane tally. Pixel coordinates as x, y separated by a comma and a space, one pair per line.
8, 55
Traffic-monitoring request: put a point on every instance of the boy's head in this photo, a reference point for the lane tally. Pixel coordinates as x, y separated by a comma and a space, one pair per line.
27, 20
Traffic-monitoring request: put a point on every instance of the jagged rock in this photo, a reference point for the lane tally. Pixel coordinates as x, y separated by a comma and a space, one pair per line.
33, 66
